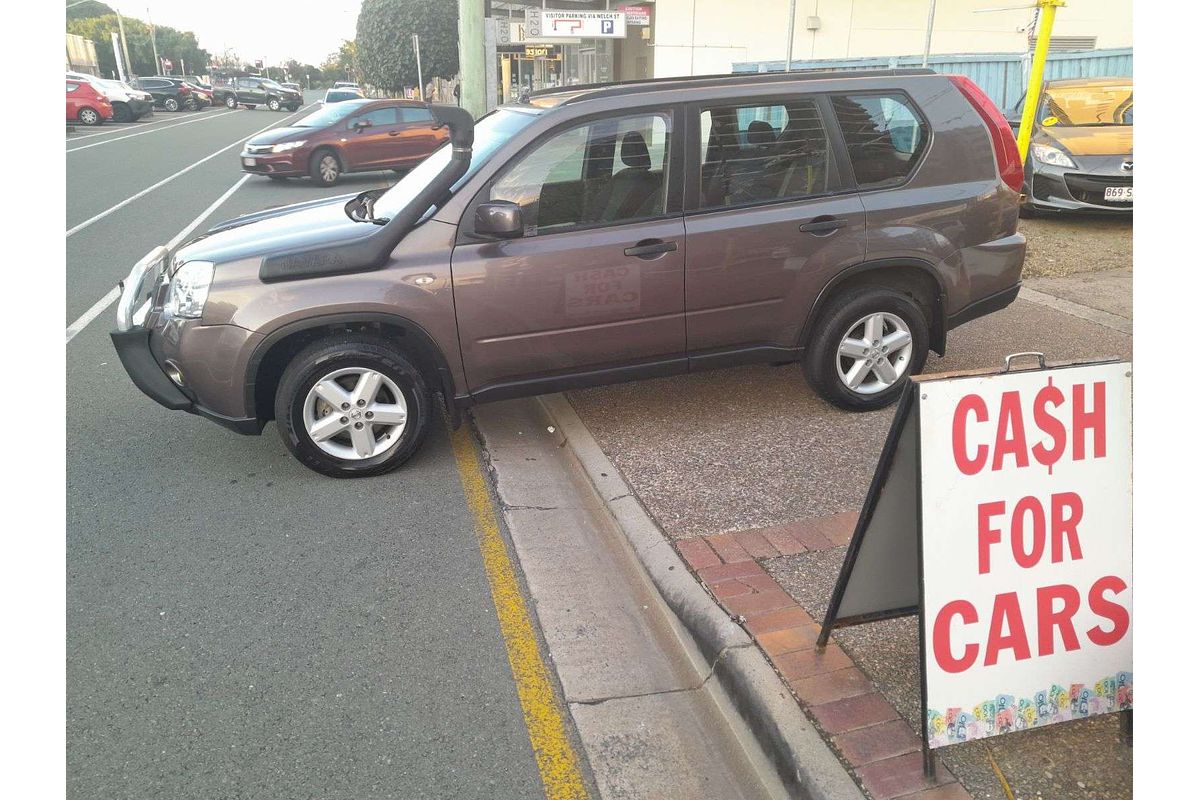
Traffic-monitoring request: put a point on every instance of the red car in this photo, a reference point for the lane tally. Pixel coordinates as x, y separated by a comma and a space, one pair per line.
86, 105
352, 136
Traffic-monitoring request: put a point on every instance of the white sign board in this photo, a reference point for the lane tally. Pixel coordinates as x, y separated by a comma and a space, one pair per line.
1026, 548
544, 23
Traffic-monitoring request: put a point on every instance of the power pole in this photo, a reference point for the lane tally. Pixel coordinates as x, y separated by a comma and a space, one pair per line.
124, 44
420, 75
471, 63
791, 35
1033, 93
154, 44
928, 33
116, 43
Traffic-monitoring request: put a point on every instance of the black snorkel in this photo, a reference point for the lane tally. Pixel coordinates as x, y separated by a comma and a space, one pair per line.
372, 252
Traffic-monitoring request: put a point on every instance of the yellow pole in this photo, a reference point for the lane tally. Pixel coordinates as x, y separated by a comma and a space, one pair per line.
1033, 94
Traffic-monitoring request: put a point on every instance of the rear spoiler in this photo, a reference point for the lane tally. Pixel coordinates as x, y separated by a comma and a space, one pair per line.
372, 252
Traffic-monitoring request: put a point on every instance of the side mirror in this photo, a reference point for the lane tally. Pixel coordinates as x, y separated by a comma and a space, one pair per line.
499, 219
359, 124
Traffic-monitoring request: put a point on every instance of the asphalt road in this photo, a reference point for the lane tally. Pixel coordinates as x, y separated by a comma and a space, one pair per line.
238, 626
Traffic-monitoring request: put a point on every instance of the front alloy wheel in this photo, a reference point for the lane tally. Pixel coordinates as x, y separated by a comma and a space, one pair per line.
231, 102
352, 406
326, 169
875, 353
867, 341
273, 104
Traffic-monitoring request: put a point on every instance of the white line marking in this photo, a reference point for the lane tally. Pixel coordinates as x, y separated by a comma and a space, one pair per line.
170, 178
93, 312
133, 126
1105, 318
108, 299
154, 130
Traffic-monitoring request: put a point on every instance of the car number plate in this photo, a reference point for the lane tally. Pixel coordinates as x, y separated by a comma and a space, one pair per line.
1118, 194
250, 162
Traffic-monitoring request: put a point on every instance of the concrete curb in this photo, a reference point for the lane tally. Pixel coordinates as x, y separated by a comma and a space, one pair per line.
805, 764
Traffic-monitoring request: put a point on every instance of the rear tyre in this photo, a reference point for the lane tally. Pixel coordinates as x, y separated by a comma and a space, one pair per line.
351, 407
121, 113
171, 104
865, 346
325, 168
90, 116
274, 104
231, 102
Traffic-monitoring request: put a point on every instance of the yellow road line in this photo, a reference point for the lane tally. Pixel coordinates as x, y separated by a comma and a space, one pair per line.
556, 758
1008, 792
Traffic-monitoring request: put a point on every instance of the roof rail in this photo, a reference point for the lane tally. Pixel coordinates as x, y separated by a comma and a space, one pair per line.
592, 90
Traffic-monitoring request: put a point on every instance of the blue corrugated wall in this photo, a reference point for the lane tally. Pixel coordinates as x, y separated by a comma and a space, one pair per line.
1001, 75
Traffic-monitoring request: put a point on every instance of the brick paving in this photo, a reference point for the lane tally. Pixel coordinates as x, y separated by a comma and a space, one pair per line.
875, 744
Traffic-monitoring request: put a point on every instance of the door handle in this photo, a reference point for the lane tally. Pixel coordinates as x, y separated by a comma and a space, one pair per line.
393, 133
823, 225
648, 248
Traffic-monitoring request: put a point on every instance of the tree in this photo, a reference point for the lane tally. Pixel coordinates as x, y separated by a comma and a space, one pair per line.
89, 8
385, 29
180, 47
341, 65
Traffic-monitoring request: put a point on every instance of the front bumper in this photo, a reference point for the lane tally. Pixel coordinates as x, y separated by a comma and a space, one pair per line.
1054, 188
148, 344
289, 163
140, 108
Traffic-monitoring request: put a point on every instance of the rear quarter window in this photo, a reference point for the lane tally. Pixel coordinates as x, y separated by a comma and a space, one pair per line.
884, 134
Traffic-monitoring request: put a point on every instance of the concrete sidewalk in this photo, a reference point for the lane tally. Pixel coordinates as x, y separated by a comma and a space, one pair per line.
757, 481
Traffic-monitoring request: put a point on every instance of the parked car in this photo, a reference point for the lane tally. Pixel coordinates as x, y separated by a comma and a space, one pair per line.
355, 136
86, 104
1081, 154
341, 95
203, 96
345, 85
252, 92
845, 221
128, 104
170, 93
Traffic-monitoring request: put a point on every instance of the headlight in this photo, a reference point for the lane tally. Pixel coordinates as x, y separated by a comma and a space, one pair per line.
283, 148
1052, 155
189, 289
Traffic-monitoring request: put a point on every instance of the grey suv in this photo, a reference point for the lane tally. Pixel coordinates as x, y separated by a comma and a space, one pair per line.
593, 234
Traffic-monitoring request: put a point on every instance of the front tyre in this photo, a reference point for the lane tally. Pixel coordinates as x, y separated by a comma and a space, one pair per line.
274, 104
864, 347
351, 407
325, 168
231, 102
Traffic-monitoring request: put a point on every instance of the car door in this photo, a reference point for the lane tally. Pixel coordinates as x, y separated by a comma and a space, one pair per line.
771, 216
371, 138
594, 286
415, 137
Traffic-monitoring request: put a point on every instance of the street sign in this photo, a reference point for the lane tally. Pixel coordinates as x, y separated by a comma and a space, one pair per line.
636, 15
543, 23
1001, 514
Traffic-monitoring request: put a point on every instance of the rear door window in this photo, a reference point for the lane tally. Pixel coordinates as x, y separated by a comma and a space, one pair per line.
415, 115
884, 134
609, 171
762, 153
72, 86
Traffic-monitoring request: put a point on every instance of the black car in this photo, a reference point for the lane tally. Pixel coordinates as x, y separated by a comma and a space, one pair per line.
252, 91
170, 93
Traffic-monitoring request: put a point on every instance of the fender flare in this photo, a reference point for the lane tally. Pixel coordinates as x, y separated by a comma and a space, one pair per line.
937, 335
444, 379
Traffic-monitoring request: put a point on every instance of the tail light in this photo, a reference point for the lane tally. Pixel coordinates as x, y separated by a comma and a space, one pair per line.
184, 90
1008, 158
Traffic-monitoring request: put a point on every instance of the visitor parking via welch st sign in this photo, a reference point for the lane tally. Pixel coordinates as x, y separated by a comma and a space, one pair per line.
1026, 549
1001, 514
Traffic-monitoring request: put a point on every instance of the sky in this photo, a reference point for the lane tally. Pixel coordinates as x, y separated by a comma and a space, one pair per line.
274, 30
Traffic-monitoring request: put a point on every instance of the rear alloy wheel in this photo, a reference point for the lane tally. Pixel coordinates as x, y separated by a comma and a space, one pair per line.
865, 346
352, 407
325, 168
171, 104
90, 116
274, 104
231, 102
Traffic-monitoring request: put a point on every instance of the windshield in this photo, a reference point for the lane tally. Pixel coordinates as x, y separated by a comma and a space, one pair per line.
491, 131
271, 84
1094, 104
328, 115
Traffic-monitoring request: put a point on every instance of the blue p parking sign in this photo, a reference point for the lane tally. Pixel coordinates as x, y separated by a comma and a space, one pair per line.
606, 26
